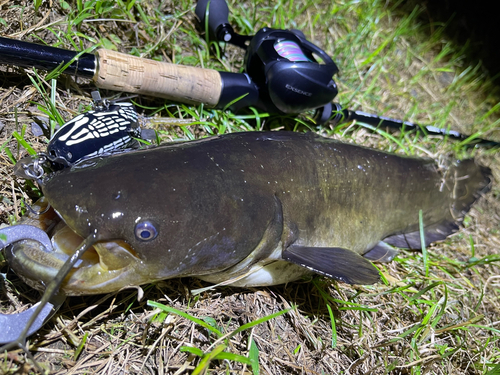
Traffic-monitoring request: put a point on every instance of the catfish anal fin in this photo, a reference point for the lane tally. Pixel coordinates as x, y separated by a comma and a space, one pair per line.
432, 233
334, 262
382, 253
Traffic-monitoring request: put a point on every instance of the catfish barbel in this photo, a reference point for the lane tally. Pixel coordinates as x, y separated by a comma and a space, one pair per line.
243, 209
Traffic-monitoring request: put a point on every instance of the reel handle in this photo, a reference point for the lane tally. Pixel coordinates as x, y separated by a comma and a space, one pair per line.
217, 13
314, 49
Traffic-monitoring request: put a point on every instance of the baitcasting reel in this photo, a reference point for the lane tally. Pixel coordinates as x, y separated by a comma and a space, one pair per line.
283, 64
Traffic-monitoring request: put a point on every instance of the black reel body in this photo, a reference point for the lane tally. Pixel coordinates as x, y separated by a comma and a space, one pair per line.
283, 65
286, 77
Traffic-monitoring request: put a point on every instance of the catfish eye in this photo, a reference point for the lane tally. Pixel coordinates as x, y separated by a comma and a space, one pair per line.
145, 231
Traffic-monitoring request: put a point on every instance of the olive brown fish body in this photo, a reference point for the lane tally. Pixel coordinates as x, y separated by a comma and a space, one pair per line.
225, 207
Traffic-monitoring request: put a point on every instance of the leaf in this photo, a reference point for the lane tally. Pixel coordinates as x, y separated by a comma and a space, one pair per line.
192, 350
205, 362
258, 321
108, 44
80, 346
23, 143
334, 329
253, 355
494, 371
185, 315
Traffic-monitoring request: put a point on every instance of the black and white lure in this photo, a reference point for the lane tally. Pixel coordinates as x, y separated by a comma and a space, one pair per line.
110, 127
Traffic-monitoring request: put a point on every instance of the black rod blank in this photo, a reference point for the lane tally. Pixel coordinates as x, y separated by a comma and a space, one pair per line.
24, 54
342, 115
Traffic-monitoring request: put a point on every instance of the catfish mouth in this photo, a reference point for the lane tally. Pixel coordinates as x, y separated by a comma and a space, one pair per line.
104, 267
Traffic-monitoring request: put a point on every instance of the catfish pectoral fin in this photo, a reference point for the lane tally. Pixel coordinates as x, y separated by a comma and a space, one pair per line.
334, 262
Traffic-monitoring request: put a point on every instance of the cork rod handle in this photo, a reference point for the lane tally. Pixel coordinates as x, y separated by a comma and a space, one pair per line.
190, 85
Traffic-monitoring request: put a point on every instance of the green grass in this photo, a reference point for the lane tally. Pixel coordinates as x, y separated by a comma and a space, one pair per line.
435, 312
218, 352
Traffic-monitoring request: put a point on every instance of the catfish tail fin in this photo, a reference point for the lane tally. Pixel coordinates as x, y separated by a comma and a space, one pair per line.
468, 181
465, 181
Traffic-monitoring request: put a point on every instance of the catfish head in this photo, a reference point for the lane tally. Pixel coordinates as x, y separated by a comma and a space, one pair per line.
155, 214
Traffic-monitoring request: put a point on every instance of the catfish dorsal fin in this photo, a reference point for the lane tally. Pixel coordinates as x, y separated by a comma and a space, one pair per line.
334, 262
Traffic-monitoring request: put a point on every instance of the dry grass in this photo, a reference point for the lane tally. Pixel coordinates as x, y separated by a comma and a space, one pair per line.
447, 322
